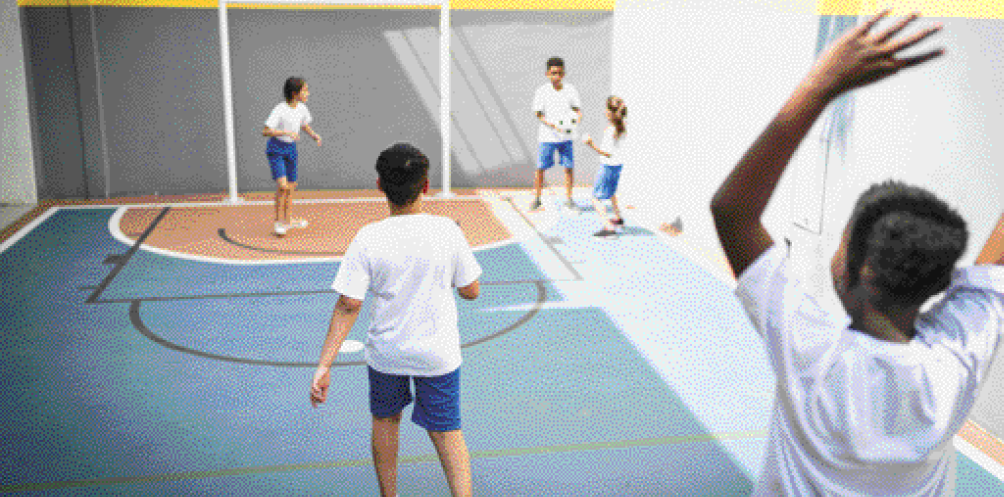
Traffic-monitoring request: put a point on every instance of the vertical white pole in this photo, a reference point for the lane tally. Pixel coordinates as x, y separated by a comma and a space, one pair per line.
228, 104
444, 90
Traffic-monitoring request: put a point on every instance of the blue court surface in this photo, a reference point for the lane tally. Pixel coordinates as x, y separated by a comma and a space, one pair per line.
591, 367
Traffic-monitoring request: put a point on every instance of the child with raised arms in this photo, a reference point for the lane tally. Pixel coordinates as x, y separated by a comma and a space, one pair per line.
409, 262
283, 129
866, 403
611, 163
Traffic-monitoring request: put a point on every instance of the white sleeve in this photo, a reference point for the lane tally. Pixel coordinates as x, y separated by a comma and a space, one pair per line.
273, 118
609, 145
307, 118
538, 101
795, 329
970, 317
353, 278
467, 268
573, 97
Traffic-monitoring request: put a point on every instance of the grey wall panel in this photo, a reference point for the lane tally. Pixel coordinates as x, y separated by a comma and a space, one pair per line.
52, 98
152, 77
85, 62
17, 170
498, 63
361, 98
162, 100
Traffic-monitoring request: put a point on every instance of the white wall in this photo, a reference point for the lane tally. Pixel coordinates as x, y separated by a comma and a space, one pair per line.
17, 170
702, 80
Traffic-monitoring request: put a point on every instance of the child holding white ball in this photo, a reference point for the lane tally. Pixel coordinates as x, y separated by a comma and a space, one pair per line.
605, 186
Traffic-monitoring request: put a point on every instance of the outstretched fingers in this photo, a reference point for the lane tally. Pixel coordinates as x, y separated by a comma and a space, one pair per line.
870, 23
912, 40
920, 59
896, 28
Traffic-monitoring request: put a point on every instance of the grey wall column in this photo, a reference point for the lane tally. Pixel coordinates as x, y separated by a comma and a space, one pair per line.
88, 99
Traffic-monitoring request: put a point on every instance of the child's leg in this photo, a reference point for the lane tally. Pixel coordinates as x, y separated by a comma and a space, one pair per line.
567, 153
569, 179
538, 183
389, 394
617, 210
385, 445
601, 209
280, 197
289, 202
452, 450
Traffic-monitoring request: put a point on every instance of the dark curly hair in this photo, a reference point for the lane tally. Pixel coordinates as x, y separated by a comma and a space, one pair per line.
402, 169
554, 62
909, 238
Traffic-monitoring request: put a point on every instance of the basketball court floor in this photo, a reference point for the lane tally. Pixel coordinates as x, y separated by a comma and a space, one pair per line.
168, 349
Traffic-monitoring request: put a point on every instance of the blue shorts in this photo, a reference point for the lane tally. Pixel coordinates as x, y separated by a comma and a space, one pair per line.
437, 406
282, 158
606, 182
546, 158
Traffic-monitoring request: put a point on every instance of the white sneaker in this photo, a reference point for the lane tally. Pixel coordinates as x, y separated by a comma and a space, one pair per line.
280, 228
298, 223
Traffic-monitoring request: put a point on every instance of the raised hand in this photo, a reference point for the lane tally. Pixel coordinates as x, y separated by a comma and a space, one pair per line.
860, 58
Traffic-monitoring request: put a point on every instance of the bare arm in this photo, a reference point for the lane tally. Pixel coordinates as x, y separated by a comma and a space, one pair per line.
857, 59
342, 320
274, 133
540, 116
470, 292
310, 131
993, 250
592, 145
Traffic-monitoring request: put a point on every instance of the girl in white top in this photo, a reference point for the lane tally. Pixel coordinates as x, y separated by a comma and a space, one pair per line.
609, 175
283, 129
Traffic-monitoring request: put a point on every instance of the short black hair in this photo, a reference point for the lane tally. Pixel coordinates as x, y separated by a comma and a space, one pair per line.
909, 238
292, 87
554, 62
402, 169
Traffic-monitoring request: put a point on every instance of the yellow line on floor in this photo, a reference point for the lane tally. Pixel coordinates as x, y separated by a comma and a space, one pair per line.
351, 463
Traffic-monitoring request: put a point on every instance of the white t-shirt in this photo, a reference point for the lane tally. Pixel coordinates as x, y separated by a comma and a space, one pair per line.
289, 119
410, 264
556, 105
854, 415
613, 147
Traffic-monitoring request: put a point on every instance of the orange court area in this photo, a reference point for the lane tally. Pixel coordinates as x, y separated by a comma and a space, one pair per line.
244, 231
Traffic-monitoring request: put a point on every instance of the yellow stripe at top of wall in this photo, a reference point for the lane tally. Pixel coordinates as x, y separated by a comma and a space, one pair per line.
970, 9
602, 5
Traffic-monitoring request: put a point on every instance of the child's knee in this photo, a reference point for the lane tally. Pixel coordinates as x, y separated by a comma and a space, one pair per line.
394, 418
443, 435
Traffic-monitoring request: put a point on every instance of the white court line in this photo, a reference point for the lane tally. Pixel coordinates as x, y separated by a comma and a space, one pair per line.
979, 457
21, 233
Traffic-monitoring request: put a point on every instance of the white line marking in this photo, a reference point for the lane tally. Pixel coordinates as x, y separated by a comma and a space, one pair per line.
21, 233
986, 462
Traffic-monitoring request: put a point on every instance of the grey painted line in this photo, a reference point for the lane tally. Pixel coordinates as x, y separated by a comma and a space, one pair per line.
545, 239
357, 463
137, 322
120, 263
223, 235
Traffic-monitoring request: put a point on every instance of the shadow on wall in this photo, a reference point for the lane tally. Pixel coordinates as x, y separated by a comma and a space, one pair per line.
497, 64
